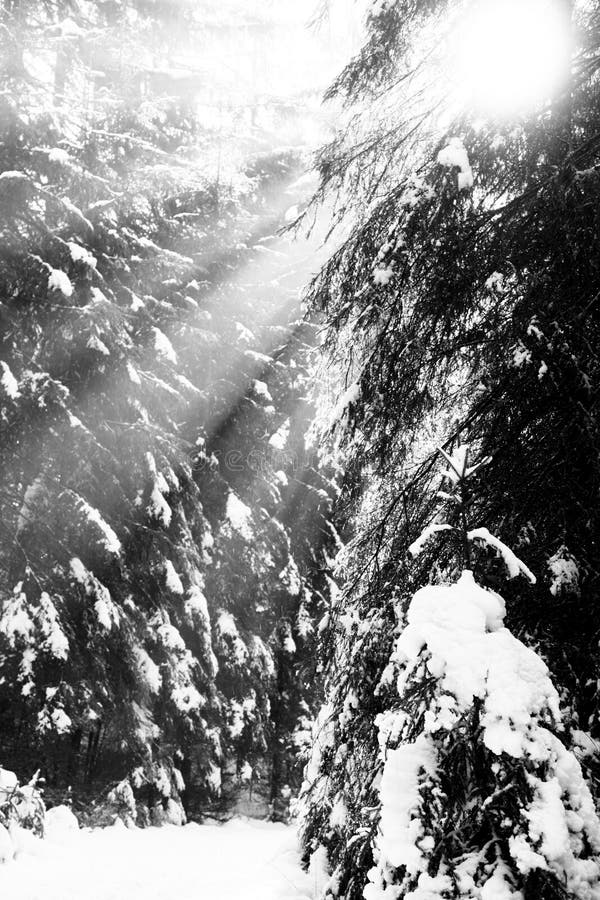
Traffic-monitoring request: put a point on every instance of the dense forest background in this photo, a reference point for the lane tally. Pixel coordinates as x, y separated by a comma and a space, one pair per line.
262, 539
166, 523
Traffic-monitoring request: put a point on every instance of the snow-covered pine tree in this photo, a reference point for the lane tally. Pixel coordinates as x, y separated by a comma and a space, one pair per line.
471, 792
271, 506
102, 561
307, 484
130, 585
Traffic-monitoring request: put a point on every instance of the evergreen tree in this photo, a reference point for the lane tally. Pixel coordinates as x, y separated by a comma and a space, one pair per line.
465, 292
137, 636
470, 791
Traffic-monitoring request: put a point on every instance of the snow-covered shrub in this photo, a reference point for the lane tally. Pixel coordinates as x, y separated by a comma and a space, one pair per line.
21, 807
453, 779
122, 800
60, 820
21, 804
479, 796
149, 795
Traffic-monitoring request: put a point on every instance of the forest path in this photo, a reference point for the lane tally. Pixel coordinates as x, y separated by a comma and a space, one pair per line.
245, 858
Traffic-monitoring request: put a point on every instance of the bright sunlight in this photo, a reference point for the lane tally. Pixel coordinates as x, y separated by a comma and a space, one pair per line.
509, 56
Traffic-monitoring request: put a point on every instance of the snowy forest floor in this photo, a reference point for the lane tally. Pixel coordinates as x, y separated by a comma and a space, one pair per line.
243, 858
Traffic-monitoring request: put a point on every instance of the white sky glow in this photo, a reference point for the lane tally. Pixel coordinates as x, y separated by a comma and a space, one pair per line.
508, 56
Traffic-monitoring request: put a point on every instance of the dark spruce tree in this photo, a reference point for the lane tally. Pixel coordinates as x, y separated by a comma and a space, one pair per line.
461, 309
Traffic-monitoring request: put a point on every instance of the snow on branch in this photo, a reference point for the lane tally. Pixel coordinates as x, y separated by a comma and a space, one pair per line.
457, 463
454, 155
417, 546
458, 467
514, 565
